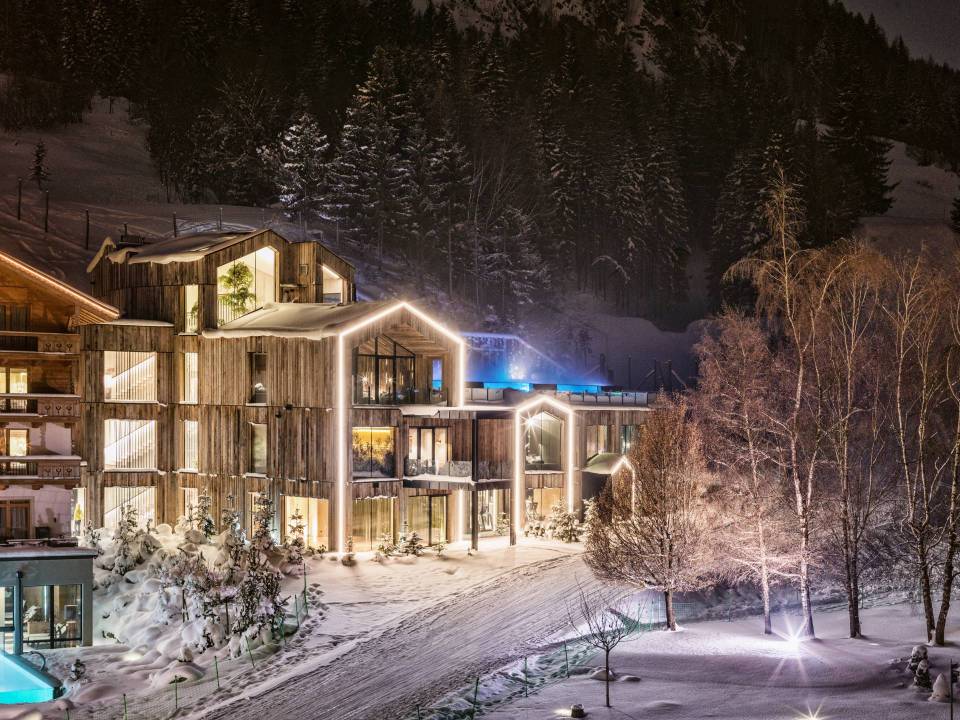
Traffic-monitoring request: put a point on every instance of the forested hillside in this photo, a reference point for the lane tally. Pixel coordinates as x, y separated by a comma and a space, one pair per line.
548, 147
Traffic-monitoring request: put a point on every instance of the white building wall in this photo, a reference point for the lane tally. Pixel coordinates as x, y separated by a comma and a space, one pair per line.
51, 506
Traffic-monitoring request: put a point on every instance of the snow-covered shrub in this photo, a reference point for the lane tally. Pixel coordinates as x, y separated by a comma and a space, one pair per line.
202, 514
294, 546
921, 679
262, 522
78, 671
918, 653
941, 689
349, 556
439, 546
258, 599
92, 538
386, 548
503, 524
411, 544
563, 525
131, 543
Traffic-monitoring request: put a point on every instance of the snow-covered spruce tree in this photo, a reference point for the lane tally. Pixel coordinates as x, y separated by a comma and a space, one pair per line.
39, 172
369, 182
663, 498
263, 515
203, 516
231, 543
294, 545
298, 164
411, 544
452, 175
126, 541
385, 548
921, 679
563, 525
258, 604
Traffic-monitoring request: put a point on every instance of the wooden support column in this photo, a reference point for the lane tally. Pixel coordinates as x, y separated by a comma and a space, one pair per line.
474, 492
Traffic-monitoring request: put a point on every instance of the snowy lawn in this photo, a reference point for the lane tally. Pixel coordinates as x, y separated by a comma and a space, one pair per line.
722, 669
347, 605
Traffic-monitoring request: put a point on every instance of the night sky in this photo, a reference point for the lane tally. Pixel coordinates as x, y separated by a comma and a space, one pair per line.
929, 27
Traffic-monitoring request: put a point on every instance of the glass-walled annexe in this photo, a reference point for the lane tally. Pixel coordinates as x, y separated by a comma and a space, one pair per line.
45, 597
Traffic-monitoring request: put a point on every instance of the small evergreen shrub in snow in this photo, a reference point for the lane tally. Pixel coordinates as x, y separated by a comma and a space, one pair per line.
294, 546
922, 677
563, 525
439, 546
92, 538
386, 548
503, 524
202, 514
411, 544
77, 671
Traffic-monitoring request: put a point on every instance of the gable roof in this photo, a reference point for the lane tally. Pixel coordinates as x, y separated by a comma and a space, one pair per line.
89, 309
309, 320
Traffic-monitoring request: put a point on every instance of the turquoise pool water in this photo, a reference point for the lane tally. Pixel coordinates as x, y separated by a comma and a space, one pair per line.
21, 683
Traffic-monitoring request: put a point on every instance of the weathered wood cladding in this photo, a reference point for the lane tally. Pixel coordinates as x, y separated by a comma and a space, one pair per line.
154, 290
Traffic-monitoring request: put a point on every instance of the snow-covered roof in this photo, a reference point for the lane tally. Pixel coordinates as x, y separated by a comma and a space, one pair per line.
309, 320
139, 323
186, 248
44, 552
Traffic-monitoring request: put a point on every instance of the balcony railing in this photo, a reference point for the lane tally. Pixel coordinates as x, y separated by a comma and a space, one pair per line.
28, 341
42, 468
45, 405
454, 469
405, 396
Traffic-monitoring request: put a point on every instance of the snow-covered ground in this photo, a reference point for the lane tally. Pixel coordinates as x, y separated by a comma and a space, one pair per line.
728, 670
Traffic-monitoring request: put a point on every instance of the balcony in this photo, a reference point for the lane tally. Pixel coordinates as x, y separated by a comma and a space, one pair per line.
46, 468
456, 470
21, 406
364, 394
27, 341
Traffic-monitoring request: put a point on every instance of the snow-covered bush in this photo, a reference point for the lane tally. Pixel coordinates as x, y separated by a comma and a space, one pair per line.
202, 514
92, 538
131, 543
385, 548
78, 671
941, 689
411, 544
503, 524
921, 679
439, 546
563, 525
294, 546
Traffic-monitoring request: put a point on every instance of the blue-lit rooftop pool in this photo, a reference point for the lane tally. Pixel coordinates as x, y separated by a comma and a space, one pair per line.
20, 682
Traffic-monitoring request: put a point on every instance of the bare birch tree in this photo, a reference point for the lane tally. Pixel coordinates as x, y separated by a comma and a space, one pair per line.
731, 405
792, 285
650, 526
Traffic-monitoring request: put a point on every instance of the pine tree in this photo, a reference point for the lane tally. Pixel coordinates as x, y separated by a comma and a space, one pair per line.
452, 175
202, 514
955, 215
299, 163
862, 155
369, 178
39, 171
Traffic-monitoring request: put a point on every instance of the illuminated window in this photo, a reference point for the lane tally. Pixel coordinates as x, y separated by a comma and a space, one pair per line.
191, 308
541, 501
427, 451
384, 373
130, 445
15, 382
313, 515
258, 449
141, 499
543, 442
372, 519
191, 377
373, 452
14, 442
427, 517
333, 286
246, 284
627, 434
130, 376
191, 445
599, 439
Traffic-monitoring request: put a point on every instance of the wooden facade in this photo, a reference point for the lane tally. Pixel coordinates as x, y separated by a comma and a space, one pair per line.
269, 379
41, 383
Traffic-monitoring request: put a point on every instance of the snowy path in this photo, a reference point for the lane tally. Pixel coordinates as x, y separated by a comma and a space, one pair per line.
424, 655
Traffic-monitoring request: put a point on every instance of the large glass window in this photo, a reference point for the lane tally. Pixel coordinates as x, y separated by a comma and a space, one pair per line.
373, 452
130, 376
313, 515
258, 449
51, 616
14, 519
627, 434
599, 439
141, 499
333, 286
130, 445
427, 451
384, 373
427, 517
14, 381
15, 442
246, 284
540, 502
372, 519
191, 445
493, 512
191, 308
191, 377
543, 442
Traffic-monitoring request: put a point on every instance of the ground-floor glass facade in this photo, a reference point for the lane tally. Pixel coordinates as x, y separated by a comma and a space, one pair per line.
372, 519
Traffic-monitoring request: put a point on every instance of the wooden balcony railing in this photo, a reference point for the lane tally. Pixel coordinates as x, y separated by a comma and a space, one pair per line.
42, 404
42, 468
28, 341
